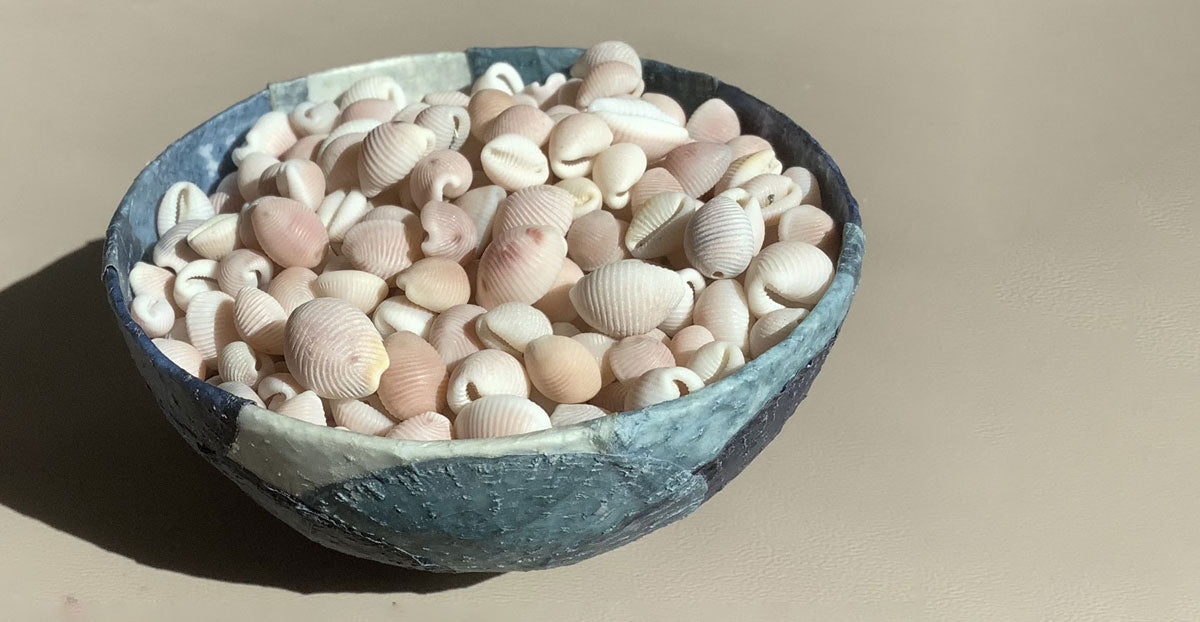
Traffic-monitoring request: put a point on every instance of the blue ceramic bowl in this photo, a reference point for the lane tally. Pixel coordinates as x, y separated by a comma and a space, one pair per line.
519, 503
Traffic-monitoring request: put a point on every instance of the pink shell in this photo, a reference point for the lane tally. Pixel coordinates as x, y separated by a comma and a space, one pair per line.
533, 206
698, 166
527, 121
290, 233
381, 110
440, 176
654, 181
520, 265
449, 232
390, 151
427, 426
714, 121
380, 247
609, 79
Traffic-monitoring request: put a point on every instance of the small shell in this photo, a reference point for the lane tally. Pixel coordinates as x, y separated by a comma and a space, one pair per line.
719, 239
775, 193
305, 149
449, 232
194, 278
210, 324
216, 237
616, 170
500, 76
520, 265
661, 385
747, 144
427, 426
149, 279
668, 105
338, 159
564, 329
600, 346
512, 161
340, 210
681, 314
714, 121
596, 239
260, 321
452, 333
359, 416
435, 283
687, 341
528, 121
570, 414
809, 223
698, 166
748, 167
309, 118
586, 195
575, 141
440, 176
787, 274
558, 112
271, 134
362, 289
347, 128
810, 189
389, 154
658, 226
399, 314
773, 328
483, 373
603, 52
485, 106
241, 390
633, 356
243, 268
381, 110
641, 123
500, 415
446, 98
628, 297
238, 362
510, 327
183, 201
155, 314
535, 205
333, 349
610, 79
749, 204
278, 388
380, 247
543, 93
306, 407
562, 369
481, 204
409, 113
716, 360
654, 181
184, 355
556, 303
289, 233
451, 125
373, 87
292, 287
723, 310
250, 174
301, 180
415, 382
611, 397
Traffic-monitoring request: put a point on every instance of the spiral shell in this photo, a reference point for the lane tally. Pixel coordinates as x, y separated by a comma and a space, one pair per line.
398, 314
238, 362
182, 201
513, 162
260, 321
289, 233
596, 239
306, 407
361, 289
500, 415
698, 166
380, 247
603, 52
441, 175
310, 118
616, 170
452, 333
719, 239
600, 346
184, 355
381, 110
633, 356
373, 87
333, 349
527, 121
556, 303
641, 123
415, 381
520, 265
681, 314
585, 193
210, 324
658, 226
243, 268
427, 426
722, 309
451, 125
562, 369
500, 76
483, 373
435, 283
510, 327
250, 174
654, 181
216, 237
153, 313
628, 297
149, 279
241, 390
748, 167
714, 121
279, 387
359, 416
661, 385
687, 341
609, 79
271, 134
809, 223
773, 328
194, 278
575, 141
716, 360
481, 205
450, 232
292, 287
570, 414
533, 206
787, 274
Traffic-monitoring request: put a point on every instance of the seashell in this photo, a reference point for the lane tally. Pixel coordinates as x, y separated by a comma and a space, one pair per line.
654, 181
521, 99
719, 239
271, 134
196, 277
485, 106
238, 362
500, 415
339, 161
216, 237
512, 161
306, 407
340, 210
301, 180
609, 79
564, 329
600, 346
409, 113
556, 303
716, 360
681, 313
668, 105
389, 153
373, 87
510, 327
616, 170
266, 181
451, 125
603, 52
773, 328
661, 385
415, 382
149, 279
210, 324
362, 289
227, 199
483, 373
570, 414
633, 356
398, 314
558, 112
359, 416
714, 121
260, 320
449, 232
446, 98
381, 110
182, 201
243, 268
379, 246
348, 128
543, 93
534, 206
787, 274
698, 166
641, 123
278, 388
809, 223
241, 390
810, 188
611, 397
775, 193
528, 121
722, 309
305, 149
452, 333
658, 226
183, 354
597, 239
440, 176
520, 265
427, 426
311, 118
562, 369
391, 212
575, 141
153, 313
481, 204
333, 349
586, 195
500, 76
749, 204
250, 173
746, 168
435, 283
289, 233
687, 341
292, 287
628, 297
747, 144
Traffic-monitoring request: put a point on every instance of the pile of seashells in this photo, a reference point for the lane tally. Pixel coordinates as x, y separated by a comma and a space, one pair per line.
482, 265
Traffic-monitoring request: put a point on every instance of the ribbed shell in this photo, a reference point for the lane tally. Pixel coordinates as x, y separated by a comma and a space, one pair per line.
586, 195
512, 161
381, 110
194, 278
810, 189
279, 387
520, 265
216, 237
687, 341
787, 274
251, 172
596, 239
184, 355
243, 268
641, 123
714, 361
302, 181
452, 333
446, 98
362, 289
409, 113
435, 283
210, 324
305, 149
668, 105
415, 381
658, 226
562, 369
359, 416
172, 250
481, 204
500, 415
449, 232
633, 356
260, 321
484, 107
628, 297
616, 170
681, 314
750, 206
306, 407
600, 346
609, 79
500, 76
440, 176
309, 118
723, 310
149, 279
661, 385
238, 362
451, 125
333, 349
747, 144
570, 414
575, 141
535, 205
373, 87
719, 239
775, 193
486, 372
654, 181
340, 210
292, 287
271, 134
809, 223
528, 121
389, 154
399, 314
427, 426
556, 303
154, 314
510, 327
243, 391
289, 233
773, 328
714, 121
380, 247
338, 158
603, 52
698, 166
748, 167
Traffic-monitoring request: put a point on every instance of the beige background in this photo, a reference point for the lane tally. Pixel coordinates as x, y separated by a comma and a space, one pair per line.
1007, 430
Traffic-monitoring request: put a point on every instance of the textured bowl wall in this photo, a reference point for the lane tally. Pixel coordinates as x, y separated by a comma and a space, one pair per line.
537, 501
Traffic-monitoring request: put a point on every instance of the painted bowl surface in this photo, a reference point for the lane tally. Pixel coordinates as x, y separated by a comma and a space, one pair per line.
519, 503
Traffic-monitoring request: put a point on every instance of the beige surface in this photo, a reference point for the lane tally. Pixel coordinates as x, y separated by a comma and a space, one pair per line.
1007, 429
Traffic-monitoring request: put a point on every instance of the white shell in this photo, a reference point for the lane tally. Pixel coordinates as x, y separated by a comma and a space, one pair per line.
500, 76
260, 320
172, 250
681, 313
500, 415
775, 193
440, 176
400, 314
486, 372
194, 278
562, 369
362, 289
609, 79
660, 385
359, 416
658, 225
238, 362
243, 268
787, 274
306, 407
698, 166
628, 297
292, 287
481, 204
687, 341
556, 303
389, 153
600, 346
615, 170
301, 180
241, 390
311, 118
340, 210
535, 205
271, 134
809, 223
564, 329
184, 355
154, 314
716, 360
773, 328
216, 237
597, 238
748, 167
512, 162
633, 356
452, 333
451, 125
449, 232
278, 388
586, 195
415, 380
333, 349
723, 310
520, 265
810, 189
435, 283
606, 51
210, 324
575, 141
641, 123
374, 87
510, 327
714, 121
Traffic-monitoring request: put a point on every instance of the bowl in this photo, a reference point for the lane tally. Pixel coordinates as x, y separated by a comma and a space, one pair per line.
517, 503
